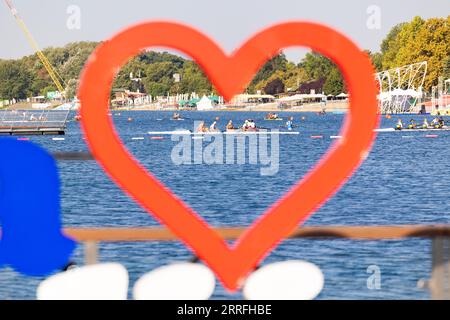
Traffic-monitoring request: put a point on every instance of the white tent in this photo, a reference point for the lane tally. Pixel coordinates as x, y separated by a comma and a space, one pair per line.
342, 95
205, 104
408, 92
300, 97
296, 97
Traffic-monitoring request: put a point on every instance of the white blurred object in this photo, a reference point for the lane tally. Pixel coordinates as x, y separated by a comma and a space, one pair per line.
107, 281
179, 281
287, 280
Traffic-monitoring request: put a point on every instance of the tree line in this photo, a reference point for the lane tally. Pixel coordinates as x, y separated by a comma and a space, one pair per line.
153, 72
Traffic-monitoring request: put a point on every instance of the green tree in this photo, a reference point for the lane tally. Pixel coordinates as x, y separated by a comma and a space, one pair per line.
447, 68
14, 80
72, 88
274, 65
132, 70
390, 46
275, 86
76, 56
416, 41
334, 83
377, 60
194, 80
317, 66
158, 79
157, 88
294, 76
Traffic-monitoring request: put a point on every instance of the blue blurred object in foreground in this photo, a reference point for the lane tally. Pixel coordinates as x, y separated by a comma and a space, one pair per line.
31, 239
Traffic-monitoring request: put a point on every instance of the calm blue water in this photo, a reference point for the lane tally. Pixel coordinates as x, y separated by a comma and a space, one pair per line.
404, 181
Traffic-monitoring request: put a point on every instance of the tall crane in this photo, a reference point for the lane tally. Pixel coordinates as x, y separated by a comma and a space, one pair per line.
56, 78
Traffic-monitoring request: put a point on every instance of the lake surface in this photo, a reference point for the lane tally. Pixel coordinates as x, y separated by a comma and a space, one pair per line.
405, 180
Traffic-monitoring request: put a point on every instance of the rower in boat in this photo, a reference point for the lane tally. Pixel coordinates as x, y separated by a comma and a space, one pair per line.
425, 124
213, 127
290, 123
176, 116
201, 127
272, 116
399, 125
230, 126
434, 122
249, 125
412, 124
245, 126
437, 123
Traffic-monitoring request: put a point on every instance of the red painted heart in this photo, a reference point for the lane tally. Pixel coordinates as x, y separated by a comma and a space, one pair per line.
230, 75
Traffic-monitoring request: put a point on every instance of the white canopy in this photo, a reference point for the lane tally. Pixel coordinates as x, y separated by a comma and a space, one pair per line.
299, 97
342, 95
408, 92
295, 97
205, 103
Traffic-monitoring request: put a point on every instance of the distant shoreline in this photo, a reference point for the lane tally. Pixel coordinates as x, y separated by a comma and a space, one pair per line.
333, 106
340, 106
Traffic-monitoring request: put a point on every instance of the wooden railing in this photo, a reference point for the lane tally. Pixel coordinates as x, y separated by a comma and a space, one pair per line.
348, 232
439, 283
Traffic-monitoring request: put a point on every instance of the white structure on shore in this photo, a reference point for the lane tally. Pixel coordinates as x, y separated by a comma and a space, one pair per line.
205, 103
440, 97
401, 88
301, 99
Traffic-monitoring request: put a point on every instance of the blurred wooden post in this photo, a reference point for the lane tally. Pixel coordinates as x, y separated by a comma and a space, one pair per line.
440, 275
90, 252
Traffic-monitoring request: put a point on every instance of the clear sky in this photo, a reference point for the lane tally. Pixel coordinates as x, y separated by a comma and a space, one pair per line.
229, 22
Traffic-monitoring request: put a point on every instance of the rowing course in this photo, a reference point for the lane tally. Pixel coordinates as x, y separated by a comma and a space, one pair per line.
395, 185
187, 132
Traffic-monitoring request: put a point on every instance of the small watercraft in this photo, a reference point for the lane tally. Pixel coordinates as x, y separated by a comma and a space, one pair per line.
272, 117
176, 117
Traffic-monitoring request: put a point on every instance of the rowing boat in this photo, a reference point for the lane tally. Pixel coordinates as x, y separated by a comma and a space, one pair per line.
445, 128
188, 132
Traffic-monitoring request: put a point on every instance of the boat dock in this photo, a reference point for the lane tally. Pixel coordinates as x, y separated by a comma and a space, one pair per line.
31, 122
